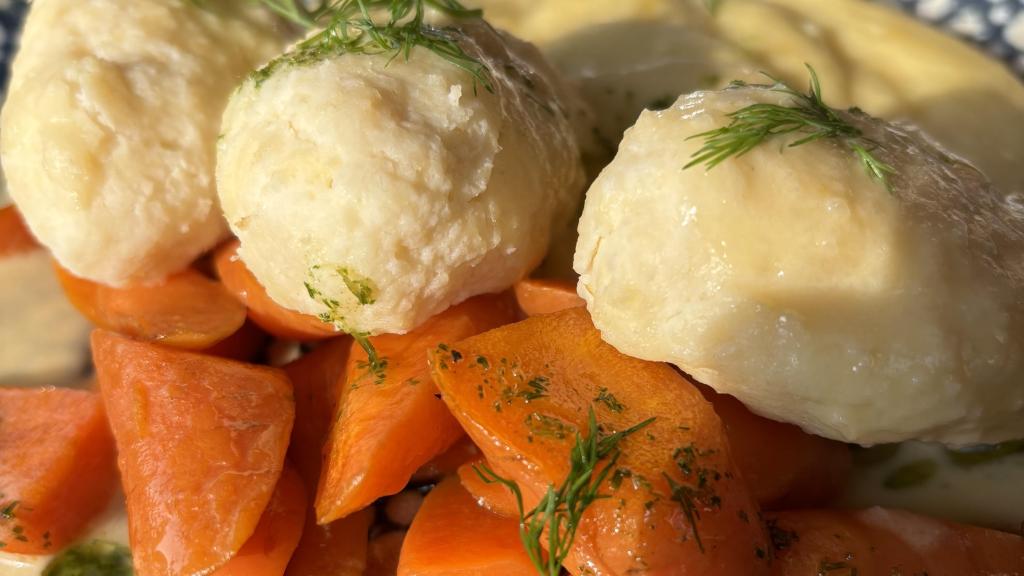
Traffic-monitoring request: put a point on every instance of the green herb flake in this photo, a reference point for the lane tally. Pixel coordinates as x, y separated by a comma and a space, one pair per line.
560, 510
809, 118
8, 511
977, 455
911, 474
361, 287
93, 558
609, 400
549, 426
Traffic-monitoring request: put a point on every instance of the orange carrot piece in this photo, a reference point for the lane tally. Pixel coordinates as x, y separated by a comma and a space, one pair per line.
452, 535
201, 444
336, 549
491, 495
186, 310
15, 237
537, 296
269, 315
59, 468
886, 542
245, 345
268, 550
318, 379
390, 422
784, 466
448, 462
676, 502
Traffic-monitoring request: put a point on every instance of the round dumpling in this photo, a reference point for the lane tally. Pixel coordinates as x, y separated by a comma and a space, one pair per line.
792, 279
380, 191
110, 128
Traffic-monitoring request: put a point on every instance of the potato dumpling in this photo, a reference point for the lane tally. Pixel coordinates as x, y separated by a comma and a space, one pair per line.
381, 191
792, 279
110, 126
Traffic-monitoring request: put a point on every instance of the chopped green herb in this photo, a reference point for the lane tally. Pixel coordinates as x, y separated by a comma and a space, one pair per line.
482, 361
609, 400
8, 511
911, 474
360, 286
94, 558
780, 537
549, 426
809, 117
975, 455
561, 509
353, 27
829, 568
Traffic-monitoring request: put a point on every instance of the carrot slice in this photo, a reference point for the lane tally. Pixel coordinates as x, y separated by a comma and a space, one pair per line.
884, 542
318, 378
452, 535
448, 462
267, 551
337, 549
58, 466
269, 315
537, 296
390, 421
201, 444
187, 310
676, 502
15, 237
784, 466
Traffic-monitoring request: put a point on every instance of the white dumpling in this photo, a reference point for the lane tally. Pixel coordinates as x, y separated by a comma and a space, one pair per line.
110, 127
792, 279
392, 189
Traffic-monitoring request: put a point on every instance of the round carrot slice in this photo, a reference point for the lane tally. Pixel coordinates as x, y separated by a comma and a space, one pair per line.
201, 444
266, 313
186, 310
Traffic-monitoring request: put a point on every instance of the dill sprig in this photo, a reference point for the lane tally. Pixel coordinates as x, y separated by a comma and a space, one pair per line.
809, 116
561, 509
356, 27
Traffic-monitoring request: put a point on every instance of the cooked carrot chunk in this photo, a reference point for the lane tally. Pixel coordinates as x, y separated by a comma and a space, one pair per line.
537, 296
784, 466
268, 550
266, 313
390, 421
454, 536
675, 504
15, 237
336, 549
318, 379
887, 542
201, 444
58, 466
186, 310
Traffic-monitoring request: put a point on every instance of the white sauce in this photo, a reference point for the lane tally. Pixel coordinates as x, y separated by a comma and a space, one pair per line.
43, 340
988, 494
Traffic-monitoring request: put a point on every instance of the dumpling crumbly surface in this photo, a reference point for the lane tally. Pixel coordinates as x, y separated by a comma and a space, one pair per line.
382, 191
790, 278
110, 127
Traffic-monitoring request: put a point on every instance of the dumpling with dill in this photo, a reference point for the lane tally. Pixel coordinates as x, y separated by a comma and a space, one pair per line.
396, 163
828, 269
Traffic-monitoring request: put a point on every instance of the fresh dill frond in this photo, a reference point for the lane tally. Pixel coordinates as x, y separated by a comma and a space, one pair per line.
561, 509
371, 27
809, 117
362, 291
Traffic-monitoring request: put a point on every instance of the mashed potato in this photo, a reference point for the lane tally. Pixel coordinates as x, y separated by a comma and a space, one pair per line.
110, 126
384, 193
794, 281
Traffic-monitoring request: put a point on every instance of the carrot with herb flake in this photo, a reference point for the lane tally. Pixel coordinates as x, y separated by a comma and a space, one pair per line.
672, 502
389, 421
58, 467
